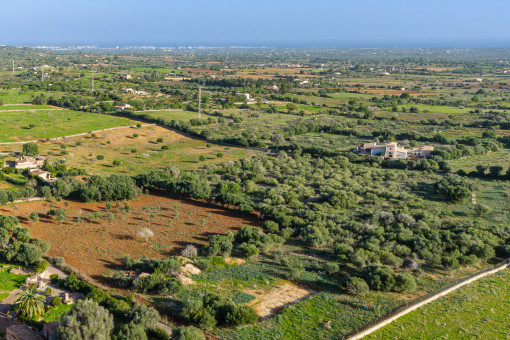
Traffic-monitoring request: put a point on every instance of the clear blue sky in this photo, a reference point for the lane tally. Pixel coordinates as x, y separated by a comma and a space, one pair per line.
289, 23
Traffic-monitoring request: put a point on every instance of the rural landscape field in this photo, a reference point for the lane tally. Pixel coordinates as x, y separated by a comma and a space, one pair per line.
246, 192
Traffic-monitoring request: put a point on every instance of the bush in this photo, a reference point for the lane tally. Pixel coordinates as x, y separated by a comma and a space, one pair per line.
54, 278
331, 268
8, 222
241, 315
41, 266
157, 334
405, 283
48, 291
99, 157
450, 262
249, 250
56, 301
171, 287
131, 331
86, 320
189, 251
357, 286
145, 316
190, 333
379, 277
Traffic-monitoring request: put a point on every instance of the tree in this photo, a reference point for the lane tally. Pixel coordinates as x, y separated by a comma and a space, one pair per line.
131, 331
405, 283
142, 315
191, 333
145, 233
379, 277
357, 286
30, 149
31, 304
86, 321
454, 188
34, 217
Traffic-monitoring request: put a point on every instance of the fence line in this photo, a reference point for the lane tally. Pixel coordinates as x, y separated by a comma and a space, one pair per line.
403, 310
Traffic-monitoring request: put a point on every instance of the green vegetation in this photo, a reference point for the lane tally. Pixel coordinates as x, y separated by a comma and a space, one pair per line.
476, 310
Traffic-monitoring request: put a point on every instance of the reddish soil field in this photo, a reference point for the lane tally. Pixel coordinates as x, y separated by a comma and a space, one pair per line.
96, 246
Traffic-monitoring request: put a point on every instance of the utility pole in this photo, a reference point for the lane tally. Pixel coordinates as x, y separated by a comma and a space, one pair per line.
199, 102
13, 67
92, 81
42, 73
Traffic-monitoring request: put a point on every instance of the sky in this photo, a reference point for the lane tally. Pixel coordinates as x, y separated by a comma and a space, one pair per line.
276, 23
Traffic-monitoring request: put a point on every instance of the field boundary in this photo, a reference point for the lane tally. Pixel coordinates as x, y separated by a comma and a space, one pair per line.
75, 135
422, 301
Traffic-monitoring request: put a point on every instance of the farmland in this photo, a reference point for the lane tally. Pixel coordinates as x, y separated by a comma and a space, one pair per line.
31, 125
478, 310
96, 244
269, 217
137, 150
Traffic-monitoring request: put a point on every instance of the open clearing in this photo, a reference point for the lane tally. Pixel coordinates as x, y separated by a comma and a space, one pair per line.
97, 245
479, 310
279, 297
136, 154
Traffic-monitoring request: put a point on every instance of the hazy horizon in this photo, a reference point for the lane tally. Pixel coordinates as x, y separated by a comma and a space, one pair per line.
371, 24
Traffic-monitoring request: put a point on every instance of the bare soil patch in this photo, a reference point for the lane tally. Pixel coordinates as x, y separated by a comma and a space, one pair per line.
279, 297
93, 247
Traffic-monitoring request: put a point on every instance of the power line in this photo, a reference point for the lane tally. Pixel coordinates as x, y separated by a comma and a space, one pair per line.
200, 102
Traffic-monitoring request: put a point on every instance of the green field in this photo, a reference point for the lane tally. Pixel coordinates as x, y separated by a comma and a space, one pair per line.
9, 282
21, 126
173, 114
12, 107
479, 310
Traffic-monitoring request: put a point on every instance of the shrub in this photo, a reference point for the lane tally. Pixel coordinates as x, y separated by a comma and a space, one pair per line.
48, 291
189, 251
99, 157
116, 163
331, 268
241, 315
249, 250
56, 301
165, 147
131, 331
145, 316
41, 266
22, 234
157, 334
34, 217
190, 333
405, 283
171, 287
219, 155
8, 222
54, 278
450, 262
379, 277
86, 320
357, 286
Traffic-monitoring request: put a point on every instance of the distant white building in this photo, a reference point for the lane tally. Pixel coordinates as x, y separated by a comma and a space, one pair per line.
393, 151
123, 107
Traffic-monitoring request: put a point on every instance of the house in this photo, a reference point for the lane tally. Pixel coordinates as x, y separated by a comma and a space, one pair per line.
392, 151
123, 107
44, 175
423, 152
478, 80
28, 162
247, 95
21, 332
272, 87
